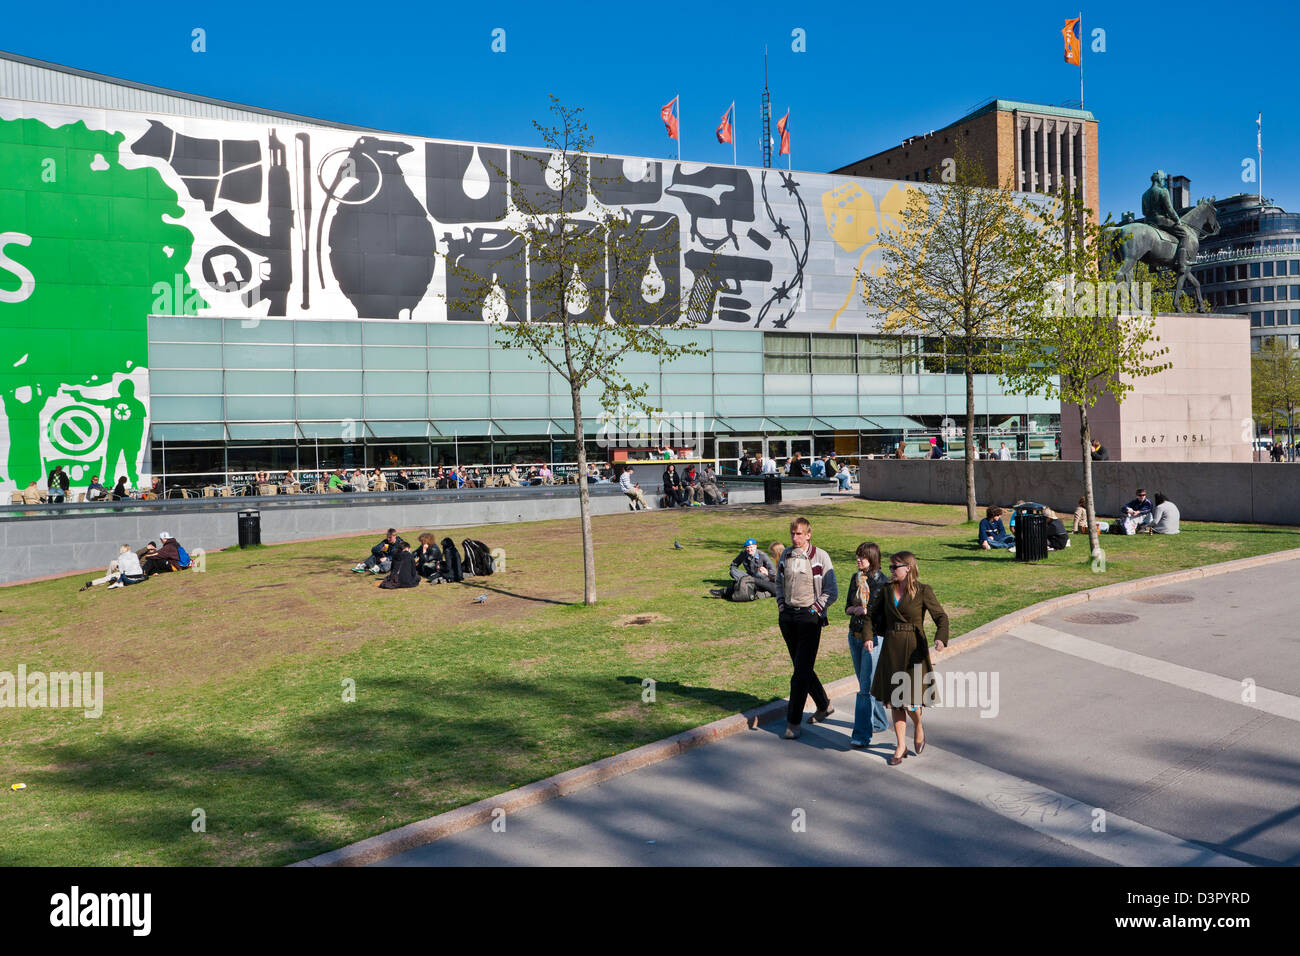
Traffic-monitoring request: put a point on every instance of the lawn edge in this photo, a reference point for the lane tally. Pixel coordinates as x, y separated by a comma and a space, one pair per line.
423, 832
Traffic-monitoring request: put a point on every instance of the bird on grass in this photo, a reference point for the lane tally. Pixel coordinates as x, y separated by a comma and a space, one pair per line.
481, 599
677, 545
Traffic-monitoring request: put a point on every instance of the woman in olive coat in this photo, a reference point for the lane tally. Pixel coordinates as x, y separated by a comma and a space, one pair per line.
903, 674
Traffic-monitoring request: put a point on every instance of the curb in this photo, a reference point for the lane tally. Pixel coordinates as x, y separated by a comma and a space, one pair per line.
385, 845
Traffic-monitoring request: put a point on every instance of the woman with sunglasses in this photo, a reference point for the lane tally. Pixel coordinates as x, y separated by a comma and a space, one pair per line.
903, 674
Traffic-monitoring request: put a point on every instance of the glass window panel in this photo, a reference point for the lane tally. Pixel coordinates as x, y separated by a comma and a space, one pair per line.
307, 332
258, 356
329, 383
326, 407
185, 356
259, 383
324, 356
188, 382
187, 409
260, 408
396, 383
1268, 293
383, 357
257, 330
1268, 269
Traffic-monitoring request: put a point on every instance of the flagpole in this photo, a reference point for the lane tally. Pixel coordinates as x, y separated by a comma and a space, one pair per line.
678, 98
1080, 59
1259, 149
733, 132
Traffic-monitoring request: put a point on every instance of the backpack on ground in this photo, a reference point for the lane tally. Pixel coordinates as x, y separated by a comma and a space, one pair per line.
743, 590
478, 558
182, 557
455, 571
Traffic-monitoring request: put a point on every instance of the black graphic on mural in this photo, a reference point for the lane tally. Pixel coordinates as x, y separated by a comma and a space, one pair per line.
723, 193
793, 290
538, 178
274, 246
485, 280
227, 268
453, 196
302, 144
643, 262
586, 288
229, 168
381, 241
609, 182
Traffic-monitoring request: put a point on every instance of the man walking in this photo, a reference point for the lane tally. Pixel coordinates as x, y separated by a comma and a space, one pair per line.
805, 587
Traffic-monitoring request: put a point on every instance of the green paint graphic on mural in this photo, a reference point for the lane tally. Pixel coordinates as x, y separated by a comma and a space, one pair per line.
83, 243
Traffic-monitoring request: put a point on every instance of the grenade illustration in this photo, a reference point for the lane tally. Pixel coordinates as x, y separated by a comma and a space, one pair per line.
381, 240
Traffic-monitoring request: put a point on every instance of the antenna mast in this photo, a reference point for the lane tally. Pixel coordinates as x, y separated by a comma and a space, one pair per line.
767, 117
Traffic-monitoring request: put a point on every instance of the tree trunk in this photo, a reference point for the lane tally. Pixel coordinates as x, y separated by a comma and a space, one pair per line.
970, 441
1085, 436
584, 502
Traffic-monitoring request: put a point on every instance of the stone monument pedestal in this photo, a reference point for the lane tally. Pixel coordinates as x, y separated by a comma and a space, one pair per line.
1198, 410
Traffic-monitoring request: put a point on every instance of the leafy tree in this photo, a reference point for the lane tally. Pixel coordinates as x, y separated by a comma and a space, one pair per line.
947, 272
593, 291
1275, 385
1083, 341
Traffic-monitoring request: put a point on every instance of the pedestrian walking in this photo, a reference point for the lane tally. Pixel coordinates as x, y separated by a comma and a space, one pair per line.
864, 643
805, 587
904, 672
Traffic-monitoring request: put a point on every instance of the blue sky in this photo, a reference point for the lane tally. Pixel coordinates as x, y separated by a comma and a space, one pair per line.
871, 74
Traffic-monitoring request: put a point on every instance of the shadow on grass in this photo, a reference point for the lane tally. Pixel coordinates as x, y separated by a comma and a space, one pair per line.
323, 773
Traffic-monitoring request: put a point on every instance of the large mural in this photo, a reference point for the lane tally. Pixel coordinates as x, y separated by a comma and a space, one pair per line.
108, 217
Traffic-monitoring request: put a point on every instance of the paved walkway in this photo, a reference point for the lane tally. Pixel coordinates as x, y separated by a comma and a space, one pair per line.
1165, 733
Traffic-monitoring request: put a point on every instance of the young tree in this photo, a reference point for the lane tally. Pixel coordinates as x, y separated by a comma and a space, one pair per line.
1084, 340
946, 272
591, 292
1275, 385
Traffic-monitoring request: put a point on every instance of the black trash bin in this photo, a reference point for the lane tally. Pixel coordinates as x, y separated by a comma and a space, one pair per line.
1031, 532
250, 528
771, 489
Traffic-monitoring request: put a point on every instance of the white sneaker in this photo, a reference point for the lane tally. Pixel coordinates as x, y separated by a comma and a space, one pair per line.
1011, 550
116, 584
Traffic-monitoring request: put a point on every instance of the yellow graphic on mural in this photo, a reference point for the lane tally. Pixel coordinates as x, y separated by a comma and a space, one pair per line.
855, 223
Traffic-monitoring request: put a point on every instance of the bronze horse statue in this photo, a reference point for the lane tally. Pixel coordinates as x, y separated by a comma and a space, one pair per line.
1142, 242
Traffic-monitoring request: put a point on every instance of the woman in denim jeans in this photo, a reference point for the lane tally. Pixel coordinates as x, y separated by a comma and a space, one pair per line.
864, 646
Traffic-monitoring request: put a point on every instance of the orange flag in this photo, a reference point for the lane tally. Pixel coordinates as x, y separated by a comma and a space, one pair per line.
1073, 42
724, 128
670, 121
785, 134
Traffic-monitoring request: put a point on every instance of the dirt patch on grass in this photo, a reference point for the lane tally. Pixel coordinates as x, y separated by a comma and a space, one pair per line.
640, 620
652, 649
1218, 545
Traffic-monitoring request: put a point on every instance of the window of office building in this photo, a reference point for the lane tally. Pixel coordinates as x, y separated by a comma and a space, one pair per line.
1255, 318
1268, 293
1268, 269
1268, 318
932, 355
1254, 270
833, 355
1295, 316
786, 354
1255, 294
1218, 273
879, 354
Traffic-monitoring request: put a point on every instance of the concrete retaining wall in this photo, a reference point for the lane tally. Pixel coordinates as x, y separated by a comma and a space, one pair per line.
51, 542
1263, 493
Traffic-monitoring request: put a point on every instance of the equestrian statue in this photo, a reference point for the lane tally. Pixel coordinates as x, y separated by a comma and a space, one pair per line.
1165, 240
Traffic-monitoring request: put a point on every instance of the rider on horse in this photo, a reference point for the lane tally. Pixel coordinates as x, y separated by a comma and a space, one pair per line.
1158, 210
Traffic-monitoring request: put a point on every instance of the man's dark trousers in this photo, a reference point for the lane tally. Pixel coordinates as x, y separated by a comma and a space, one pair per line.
802, 630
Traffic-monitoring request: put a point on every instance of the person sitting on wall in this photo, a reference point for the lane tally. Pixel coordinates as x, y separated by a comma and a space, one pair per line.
674, 495
692, 485
817, 468
992, 533
1081, 519
1137, 513
1165, 517
1099, 452
797, 468
403, 573
632, 490
381, 555
1057, 538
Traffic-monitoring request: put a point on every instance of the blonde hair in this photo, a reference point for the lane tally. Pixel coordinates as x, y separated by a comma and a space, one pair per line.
913, 575
776, 551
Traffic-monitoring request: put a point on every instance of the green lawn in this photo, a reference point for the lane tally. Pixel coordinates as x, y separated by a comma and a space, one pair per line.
225, 689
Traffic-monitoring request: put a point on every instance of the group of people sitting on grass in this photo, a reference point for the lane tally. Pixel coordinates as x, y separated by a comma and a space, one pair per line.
132, 567
402, 566
1150, 516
